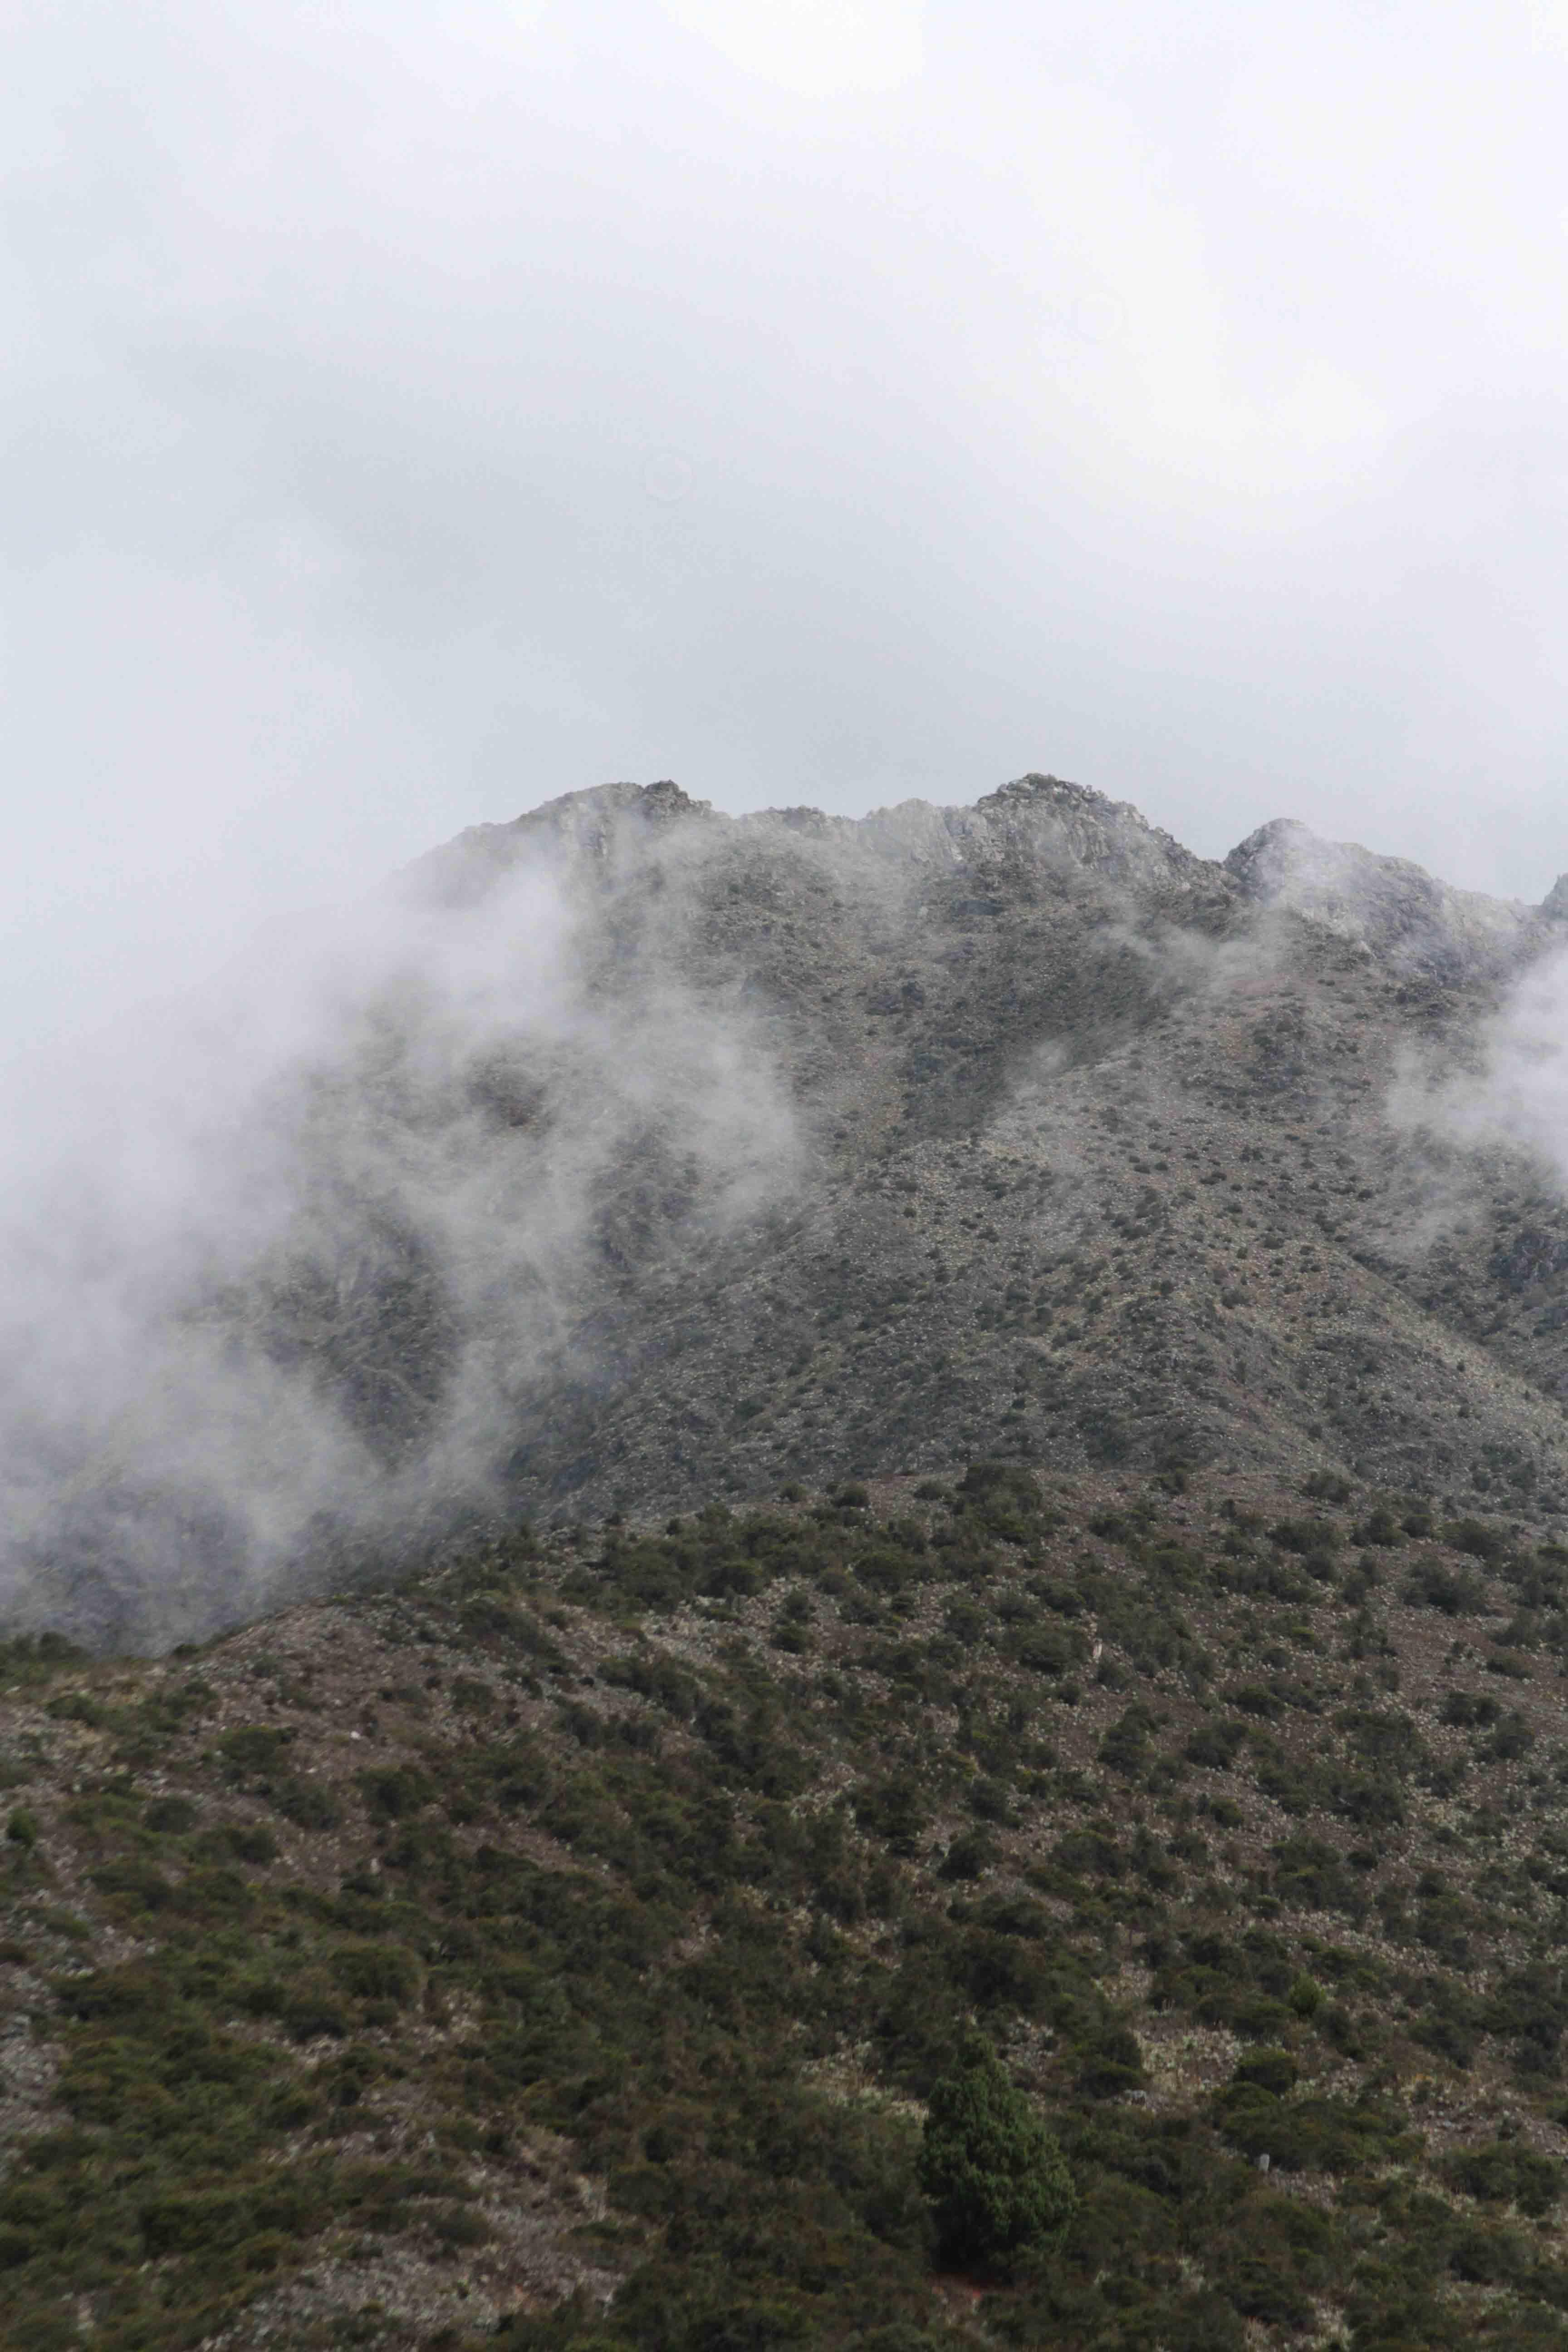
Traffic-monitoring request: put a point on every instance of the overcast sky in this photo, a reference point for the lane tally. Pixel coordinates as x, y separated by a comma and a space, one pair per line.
418, 409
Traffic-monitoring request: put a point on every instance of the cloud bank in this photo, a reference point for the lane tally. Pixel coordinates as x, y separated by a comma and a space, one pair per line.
1513, 1089
412, 412
281, 1268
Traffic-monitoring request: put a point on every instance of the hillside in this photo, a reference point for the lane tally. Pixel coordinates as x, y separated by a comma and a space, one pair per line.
814, 1438
1098, 1159
561, 1948
680, 1156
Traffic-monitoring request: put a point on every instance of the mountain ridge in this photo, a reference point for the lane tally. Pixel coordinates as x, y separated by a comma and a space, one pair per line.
684, 1154
1267, 864
1443, 954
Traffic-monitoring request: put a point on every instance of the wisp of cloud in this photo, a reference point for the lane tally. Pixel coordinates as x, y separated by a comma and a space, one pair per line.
281, 1266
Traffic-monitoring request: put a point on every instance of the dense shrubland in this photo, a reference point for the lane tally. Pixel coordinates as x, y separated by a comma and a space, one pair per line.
653, 1884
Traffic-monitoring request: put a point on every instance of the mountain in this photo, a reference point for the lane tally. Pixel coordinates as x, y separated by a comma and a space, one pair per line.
662, 1155
1107, 1153
799, 1466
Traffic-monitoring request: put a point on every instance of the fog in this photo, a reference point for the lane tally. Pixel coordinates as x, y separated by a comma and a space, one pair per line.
415, 413
1510, 1088
282, 1265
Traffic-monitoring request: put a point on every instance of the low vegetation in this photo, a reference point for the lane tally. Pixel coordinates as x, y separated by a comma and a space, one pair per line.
1124, 1914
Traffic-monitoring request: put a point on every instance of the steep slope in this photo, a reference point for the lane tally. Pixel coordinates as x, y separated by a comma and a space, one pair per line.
1103, 1165
563, 1948
673, 1154
558, 1931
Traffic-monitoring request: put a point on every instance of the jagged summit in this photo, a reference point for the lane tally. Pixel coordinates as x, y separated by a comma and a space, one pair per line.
1111, 835
1388, 904
1037, 829
584, 828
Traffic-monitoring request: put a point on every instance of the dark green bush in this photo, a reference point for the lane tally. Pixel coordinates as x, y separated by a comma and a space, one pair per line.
396, 1793
1506, 2172
253, 1750
1108, 2061
895, 1811
306, 1804
1275, 2071
1476, 1537
996, 2179
172, 1816
1452, 1591
969, 1855
374, 1972
1215, 1745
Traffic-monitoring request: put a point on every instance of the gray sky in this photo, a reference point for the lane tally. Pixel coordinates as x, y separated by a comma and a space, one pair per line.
417, 411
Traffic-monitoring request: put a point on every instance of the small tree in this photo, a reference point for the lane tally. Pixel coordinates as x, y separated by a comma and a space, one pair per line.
996, 2179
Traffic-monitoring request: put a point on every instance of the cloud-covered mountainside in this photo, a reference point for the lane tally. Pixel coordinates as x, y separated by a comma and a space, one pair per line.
630, 1154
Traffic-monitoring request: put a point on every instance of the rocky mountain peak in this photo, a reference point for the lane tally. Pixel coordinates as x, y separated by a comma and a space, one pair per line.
1402, 914
582, 830
1105, 836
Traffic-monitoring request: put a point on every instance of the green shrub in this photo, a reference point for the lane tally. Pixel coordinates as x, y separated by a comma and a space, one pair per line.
1108, 2061
396, 1793
306, 1804
253, 1750
969, 1855
895, 1811
1215, 1745
135, 1883
1306, 1996
1454, 1592
456, 2225
1046, 1649
1125, 1747
170, 1816
374, 1972
996, 2179
250, 1842
1476, 1537
1506, 2172
1467, 1710
1274, 2071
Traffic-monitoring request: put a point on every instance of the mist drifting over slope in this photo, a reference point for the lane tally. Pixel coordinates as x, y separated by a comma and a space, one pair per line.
279, 1265
628, 1151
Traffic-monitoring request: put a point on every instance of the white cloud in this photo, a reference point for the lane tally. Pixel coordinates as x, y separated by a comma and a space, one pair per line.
307, 1248
1518, 1093
416, 411
814, 48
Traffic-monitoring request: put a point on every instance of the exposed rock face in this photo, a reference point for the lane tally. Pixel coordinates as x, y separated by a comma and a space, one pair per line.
1015, 1129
